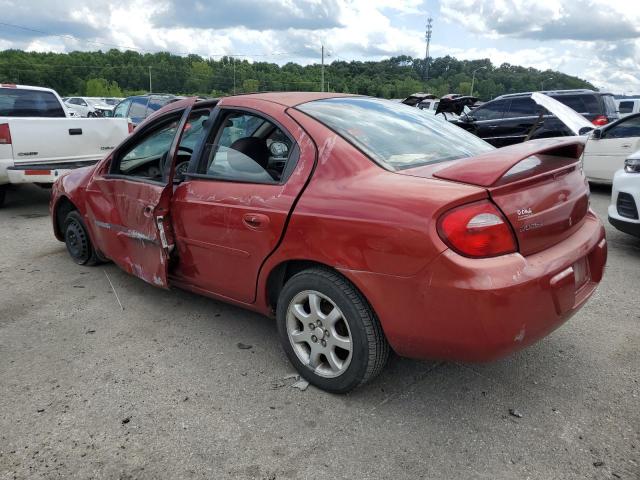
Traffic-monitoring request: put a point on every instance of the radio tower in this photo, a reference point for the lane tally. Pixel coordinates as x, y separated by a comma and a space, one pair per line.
427, 37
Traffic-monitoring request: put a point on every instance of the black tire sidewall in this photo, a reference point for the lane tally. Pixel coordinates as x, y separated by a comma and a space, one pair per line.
357, 369
74, 218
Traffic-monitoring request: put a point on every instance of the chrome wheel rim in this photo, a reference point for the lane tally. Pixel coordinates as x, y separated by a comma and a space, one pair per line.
319, 334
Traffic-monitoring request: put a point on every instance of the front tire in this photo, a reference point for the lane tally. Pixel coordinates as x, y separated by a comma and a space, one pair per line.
76, 238
329, 332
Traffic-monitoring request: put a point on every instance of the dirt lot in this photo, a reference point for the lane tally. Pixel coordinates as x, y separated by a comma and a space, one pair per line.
161, 389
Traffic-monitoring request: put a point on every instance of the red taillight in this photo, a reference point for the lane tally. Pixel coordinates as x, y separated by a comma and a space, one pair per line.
131, 127
600, 120
5, 134
477, 230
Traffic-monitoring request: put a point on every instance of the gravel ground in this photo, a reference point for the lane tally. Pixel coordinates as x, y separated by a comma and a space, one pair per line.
161, 390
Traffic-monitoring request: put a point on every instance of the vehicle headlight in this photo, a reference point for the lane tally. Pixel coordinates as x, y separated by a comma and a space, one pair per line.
632, 165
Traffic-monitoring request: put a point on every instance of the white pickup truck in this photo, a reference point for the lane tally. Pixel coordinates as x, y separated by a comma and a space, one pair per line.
40, 140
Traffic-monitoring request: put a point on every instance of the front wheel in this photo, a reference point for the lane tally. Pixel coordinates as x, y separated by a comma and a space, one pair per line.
76, 238
329, 331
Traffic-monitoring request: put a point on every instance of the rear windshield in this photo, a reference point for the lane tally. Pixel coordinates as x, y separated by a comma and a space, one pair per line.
395, 135
581, 103
29, 103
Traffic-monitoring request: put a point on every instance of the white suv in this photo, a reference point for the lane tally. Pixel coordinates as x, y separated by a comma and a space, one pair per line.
625, 197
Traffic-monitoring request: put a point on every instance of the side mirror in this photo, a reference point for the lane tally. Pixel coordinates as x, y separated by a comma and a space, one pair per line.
596, 134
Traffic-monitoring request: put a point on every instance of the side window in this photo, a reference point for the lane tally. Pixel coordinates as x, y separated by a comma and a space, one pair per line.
122, 109
583, 104
522, 107
626, 128
626, 107
146, 158
490, 111
247, 148
82, 102
138, 108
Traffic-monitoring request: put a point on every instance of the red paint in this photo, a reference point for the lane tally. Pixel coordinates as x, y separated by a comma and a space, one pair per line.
378, 228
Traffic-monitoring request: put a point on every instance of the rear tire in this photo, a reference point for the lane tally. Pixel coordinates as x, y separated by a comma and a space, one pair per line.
77, 240
329, 332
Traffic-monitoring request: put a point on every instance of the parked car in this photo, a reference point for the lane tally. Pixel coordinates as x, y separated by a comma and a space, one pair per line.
89, 107
512, 118
112, 101
625, 197
360, 224
39, 142
609, 146
627, 106
139, 107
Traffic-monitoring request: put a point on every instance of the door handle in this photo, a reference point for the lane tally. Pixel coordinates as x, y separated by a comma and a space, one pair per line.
75, 131
255, 221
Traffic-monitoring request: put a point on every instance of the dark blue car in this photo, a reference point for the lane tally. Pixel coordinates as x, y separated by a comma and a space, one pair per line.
139, 107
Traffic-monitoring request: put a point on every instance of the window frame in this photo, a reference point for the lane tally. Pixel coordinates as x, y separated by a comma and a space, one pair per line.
217, 119
137, 139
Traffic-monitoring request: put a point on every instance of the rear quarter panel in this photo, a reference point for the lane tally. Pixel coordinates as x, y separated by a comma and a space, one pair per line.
356, 216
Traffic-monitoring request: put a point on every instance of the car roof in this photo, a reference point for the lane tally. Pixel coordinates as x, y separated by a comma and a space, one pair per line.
581, 91
289, 99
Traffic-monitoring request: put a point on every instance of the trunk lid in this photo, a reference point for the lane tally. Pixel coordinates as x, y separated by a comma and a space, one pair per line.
538, 185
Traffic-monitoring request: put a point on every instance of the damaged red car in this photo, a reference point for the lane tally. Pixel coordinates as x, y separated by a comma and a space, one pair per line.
361, 224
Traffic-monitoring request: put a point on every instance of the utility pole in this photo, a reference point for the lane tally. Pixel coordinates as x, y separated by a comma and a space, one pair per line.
150, 89
233, 60
427, 37
322, 72
473, 79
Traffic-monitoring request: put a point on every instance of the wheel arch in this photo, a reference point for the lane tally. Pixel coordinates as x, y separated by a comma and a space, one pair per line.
286, 269
61, 209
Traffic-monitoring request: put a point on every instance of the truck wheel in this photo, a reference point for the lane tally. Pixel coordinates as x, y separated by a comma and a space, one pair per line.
76, 238
329, 332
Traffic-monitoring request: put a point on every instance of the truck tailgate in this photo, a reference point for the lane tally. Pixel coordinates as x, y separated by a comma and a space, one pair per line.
49, 140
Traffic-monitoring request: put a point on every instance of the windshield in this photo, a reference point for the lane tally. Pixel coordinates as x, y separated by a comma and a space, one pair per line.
395, 135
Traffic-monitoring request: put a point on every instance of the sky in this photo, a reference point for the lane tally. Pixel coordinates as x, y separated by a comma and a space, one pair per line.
597, 40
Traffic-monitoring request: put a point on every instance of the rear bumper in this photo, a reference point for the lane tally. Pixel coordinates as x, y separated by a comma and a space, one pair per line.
42, 173
482, 309
628, 183
626, 225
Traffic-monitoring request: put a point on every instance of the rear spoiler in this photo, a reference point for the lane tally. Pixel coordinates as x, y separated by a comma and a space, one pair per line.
486, 169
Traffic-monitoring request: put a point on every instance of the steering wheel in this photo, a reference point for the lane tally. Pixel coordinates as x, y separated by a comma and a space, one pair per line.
182, 167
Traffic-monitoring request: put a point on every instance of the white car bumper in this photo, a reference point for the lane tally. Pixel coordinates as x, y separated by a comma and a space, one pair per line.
624, 210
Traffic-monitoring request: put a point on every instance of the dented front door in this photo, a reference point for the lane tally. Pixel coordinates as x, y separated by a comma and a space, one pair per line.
128, 205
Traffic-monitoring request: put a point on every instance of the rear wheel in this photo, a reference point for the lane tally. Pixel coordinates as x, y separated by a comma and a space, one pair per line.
76, 238
329, 331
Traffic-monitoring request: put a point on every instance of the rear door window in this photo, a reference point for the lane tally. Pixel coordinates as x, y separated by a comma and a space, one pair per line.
490, 111
122, 109
138, 110
16, 102
522, 107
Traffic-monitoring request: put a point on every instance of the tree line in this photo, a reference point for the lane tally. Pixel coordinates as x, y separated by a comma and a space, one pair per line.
121, 73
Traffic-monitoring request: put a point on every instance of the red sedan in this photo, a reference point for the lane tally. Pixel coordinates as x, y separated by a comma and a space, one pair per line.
361, 224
